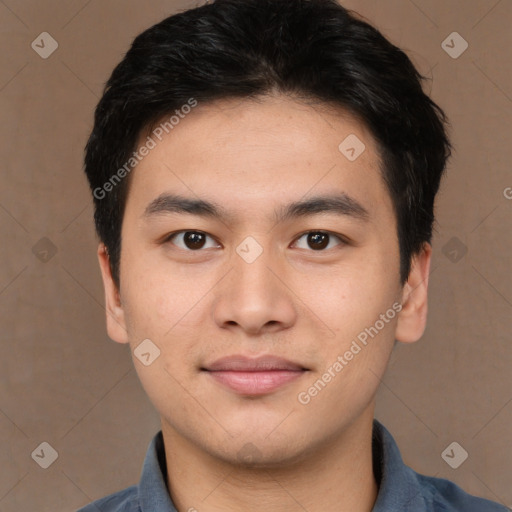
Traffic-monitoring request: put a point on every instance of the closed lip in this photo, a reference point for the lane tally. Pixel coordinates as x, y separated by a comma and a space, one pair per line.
242, 363
254, 376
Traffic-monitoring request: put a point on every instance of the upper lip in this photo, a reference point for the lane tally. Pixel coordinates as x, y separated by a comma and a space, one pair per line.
241, 363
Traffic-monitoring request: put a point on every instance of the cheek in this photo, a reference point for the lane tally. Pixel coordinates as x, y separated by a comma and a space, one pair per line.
169, 309
156, 295
352, 296
156, 309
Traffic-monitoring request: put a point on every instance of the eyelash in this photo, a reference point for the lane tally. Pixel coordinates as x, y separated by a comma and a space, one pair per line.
341, 238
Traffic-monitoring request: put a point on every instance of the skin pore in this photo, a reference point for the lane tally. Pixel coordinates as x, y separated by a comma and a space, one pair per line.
299, 299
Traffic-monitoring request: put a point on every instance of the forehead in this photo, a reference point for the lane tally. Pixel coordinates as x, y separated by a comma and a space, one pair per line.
252, 156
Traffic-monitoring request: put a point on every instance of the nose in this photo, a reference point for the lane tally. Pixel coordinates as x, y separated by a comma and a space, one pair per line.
255, 297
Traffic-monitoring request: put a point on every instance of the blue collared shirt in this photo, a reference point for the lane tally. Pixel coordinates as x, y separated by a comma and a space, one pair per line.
400, 488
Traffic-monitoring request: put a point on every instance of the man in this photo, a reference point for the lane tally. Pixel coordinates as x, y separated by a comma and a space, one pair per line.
264, 175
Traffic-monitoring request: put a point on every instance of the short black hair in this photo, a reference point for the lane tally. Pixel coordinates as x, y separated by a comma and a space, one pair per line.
309, 49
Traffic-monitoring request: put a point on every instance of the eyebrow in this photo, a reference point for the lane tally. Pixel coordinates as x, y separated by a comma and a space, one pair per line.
339, 204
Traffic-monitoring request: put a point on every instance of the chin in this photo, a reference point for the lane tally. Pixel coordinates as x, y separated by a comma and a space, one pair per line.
253, 455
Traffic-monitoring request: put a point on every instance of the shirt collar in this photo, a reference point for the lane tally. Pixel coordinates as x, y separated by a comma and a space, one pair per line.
399, 489
153, 493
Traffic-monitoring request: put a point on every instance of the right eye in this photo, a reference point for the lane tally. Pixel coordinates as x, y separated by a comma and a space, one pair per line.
190, 240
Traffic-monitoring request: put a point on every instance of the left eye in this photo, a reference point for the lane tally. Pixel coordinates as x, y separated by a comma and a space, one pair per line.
192, 240
318, 240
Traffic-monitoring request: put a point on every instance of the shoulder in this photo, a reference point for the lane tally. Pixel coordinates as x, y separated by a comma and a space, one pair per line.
122, 501
403, 489
444, 496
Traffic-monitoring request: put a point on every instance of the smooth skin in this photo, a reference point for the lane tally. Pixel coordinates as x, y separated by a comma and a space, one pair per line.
295, 301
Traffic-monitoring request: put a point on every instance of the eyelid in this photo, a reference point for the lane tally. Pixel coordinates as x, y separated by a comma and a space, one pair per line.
343, 239
167, 238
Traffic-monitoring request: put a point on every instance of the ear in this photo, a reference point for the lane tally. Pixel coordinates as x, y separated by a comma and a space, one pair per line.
116, 326
412, 319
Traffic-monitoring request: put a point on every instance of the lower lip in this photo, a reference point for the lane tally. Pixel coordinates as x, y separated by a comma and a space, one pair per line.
255, 383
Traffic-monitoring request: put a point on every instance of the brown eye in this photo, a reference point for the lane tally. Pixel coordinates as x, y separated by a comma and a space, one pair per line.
194, 240
190, 240
319, 240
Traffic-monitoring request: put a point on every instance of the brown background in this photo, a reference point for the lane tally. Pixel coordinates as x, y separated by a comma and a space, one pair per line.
64, 382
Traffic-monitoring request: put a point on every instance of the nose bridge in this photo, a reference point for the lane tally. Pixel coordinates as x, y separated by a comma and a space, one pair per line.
252, 269
252, 296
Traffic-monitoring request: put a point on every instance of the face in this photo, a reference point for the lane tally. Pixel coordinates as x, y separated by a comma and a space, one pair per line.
291, 272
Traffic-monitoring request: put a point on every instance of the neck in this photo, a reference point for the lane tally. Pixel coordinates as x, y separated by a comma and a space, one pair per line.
337, 475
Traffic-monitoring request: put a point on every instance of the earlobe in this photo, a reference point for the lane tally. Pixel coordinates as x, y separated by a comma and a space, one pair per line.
412, 319
116, 326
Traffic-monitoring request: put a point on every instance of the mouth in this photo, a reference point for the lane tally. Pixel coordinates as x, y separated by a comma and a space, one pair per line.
254, 376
